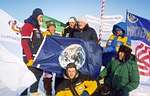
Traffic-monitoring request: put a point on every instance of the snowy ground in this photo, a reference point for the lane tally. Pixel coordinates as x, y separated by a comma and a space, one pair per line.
142, 90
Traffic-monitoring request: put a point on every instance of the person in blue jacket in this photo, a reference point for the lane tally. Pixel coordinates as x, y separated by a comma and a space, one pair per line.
118, 38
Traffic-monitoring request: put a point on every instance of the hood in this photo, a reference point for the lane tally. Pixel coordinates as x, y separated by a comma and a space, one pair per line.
32, 21
122, 26
33, 18
37, 12
127, 52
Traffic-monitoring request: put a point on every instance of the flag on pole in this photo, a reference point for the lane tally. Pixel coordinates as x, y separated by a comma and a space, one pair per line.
139, 29
56, 52
143, 58
139, 32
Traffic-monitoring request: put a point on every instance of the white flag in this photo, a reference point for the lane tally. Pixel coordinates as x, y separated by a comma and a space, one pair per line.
15, 77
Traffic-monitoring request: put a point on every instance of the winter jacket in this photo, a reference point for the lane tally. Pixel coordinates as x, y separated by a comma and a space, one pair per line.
114, 41
121, 75
27, 31
82, 85
31, 23
68, 32
88, 34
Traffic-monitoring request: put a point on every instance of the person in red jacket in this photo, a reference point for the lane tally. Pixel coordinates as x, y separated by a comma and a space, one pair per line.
30, 27
31, 23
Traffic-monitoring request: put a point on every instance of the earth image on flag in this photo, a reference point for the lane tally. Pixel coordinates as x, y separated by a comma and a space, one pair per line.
74, 53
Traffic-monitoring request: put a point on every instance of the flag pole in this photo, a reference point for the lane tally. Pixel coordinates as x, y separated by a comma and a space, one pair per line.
126, 19
102, 7
126, 14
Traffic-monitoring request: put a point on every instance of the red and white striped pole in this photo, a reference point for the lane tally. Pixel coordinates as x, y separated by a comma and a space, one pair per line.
102, 7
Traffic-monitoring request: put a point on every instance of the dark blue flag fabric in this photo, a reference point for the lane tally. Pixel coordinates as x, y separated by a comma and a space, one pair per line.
138, 28
56, 52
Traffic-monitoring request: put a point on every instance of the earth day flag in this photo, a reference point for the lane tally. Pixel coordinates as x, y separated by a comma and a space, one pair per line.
56, 52
139, 32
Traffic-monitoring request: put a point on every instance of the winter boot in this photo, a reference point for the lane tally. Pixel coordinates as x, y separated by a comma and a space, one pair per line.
48, 86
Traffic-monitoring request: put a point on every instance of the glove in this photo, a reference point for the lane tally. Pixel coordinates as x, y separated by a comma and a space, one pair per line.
100, 80
85, 93
30, 63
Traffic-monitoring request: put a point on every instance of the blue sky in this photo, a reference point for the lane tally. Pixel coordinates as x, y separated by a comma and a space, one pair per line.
63, 9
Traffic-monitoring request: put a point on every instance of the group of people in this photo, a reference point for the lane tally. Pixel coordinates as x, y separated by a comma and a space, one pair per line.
79, 29
120, 75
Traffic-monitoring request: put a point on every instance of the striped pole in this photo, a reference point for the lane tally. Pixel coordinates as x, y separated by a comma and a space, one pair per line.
102, 7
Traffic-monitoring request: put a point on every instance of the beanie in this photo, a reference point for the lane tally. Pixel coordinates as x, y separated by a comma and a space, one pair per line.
50, 23
127, 51
72, 19
37, 12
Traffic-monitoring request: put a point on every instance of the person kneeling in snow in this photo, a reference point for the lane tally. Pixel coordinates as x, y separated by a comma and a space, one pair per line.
75, 84
121, 75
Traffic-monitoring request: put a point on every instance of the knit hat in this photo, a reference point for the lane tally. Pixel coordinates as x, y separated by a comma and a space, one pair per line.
50, 23
37, 12
72, 19
127, 51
